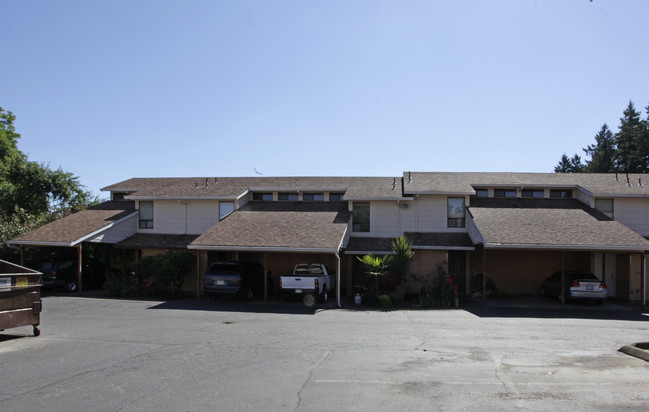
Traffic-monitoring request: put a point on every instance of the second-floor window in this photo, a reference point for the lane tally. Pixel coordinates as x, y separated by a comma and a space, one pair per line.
146, 215
262, 196
561, 194
288, 196
605, 206
335, 197
538, 193
456, 215
313, 197
504, 192
361, 217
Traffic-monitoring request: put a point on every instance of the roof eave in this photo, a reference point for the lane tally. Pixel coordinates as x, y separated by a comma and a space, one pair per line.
494, 245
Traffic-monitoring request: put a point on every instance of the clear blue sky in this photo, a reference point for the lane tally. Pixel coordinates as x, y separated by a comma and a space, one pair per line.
110, 90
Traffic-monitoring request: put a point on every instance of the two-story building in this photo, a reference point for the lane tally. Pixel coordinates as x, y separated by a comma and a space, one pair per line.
513, 228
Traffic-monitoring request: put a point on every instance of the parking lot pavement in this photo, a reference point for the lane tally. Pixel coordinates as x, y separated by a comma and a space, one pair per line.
188, 355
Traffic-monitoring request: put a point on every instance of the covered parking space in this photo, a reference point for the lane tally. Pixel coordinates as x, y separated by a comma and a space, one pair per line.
520, 243
107, 223
277, 235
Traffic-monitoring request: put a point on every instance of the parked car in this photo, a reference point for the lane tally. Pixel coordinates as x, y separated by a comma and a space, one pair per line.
60, 274
234, 279
578, 286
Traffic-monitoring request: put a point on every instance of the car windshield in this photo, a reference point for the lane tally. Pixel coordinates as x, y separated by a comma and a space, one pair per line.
223, 269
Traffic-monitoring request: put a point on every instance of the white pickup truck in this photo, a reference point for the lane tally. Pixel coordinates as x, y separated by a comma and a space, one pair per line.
308, 279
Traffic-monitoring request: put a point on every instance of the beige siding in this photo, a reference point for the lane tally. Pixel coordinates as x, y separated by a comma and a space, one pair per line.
201, 215
118, 232
633, 213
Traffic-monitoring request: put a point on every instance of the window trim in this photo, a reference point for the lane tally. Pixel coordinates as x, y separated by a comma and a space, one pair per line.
145, 223
455, 222
361, 227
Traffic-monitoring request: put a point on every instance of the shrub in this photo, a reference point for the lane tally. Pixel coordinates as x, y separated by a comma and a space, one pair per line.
384, 301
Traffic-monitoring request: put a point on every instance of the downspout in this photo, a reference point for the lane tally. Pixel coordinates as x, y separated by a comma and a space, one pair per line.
644, 282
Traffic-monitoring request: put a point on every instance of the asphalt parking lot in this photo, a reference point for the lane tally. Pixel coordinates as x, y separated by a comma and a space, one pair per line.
98, 354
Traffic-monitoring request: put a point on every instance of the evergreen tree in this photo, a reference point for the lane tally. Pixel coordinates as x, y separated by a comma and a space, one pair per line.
569, 164
632, 149
602, 153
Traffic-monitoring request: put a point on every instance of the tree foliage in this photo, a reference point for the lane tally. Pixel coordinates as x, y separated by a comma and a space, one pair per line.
31, 194
30, 186
626, 151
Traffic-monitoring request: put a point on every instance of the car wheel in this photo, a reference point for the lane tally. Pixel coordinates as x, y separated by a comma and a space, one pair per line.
71, 286
36, 331
324, 295
249, 295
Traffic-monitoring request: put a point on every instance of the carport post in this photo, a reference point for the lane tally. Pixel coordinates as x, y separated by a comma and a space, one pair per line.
265, 278
644, 281
79, 267
198, 275
484, 276
563, 277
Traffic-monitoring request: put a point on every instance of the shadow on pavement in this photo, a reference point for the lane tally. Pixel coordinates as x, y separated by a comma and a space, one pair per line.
535, 307
227, 305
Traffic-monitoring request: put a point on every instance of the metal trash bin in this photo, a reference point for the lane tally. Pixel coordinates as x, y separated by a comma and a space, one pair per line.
20, 297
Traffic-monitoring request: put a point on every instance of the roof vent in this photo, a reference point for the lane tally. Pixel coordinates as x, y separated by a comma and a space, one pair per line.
409, 178
628, 181
616, 178
394, 183
640, 182
196, 186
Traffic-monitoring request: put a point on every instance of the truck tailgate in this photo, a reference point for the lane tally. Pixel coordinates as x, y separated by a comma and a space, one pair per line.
298, 282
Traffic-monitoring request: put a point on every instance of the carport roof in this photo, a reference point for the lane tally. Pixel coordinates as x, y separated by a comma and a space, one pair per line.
557, 224
279, 226
420, 240
156, 241
80, 226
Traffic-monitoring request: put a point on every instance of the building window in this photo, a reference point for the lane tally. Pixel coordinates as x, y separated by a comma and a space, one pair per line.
262, 196
361, 217
456, 215
313, 197
146, 215
482, 193
561, 194
605, 206
537, 193
225, 208
336, 197
293, 197
504, 192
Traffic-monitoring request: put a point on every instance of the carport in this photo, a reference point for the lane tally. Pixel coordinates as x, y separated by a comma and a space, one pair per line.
278, 231
109, 222
525, 240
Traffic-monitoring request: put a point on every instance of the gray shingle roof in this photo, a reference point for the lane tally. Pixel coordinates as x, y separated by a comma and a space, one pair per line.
232, 187
156, 241
598, 184
554, 224
74, 228
276, 226
438, 240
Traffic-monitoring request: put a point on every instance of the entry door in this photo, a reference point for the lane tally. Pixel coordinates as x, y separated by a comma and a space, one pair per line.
609, 271
605, 270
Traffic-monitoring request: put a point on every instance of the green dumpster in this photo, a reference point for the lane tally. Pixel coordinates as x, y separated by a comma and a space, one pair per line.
20, 297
